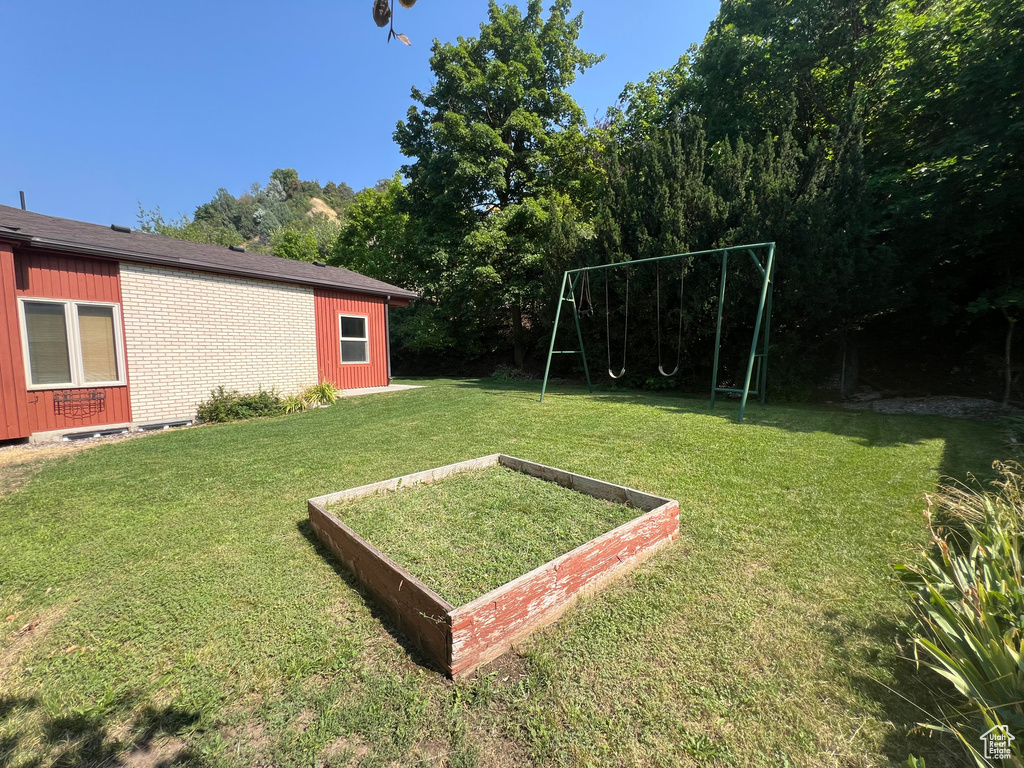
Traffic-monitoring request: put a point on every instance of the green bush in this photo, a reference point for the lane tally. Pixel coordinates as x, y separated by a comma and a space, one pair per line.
321, 394
294, 404
968, 597
231, 405
511, 373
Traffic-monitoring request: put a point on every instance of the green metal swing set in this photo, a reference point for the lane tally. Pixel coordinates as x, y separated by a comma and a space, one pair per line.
580, 278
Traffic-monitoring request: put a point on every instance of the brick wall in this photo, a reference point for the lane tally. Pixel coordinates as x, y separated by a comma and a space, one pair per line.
189, 332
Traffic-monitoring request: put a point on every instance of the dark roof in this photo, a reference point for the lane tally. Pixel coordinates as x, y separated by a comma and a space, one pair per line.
52, 233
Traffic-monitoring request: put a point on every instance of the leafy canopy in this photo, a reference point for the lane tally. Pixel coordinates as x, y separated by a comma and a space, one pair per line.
497, 146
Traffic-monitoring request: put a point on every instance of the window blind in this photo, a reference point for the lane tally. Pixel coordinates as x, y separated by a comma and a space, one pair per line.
99, 350
47, 343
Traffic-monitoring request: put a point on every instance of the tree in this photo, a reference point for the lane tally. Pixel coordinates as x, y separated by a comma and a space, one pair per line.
185, 229
497, 142
948, 146
288, 178
338, 196
221, 211
760, 55
293, 244
375, 240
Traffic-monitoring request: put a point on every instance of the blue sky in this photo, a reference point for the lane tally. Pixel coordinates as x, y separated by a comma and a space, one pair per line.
113, 103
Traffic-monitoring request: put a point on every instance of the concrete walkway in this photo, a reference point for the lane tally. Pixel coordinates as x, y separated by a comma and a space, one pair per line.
375, 390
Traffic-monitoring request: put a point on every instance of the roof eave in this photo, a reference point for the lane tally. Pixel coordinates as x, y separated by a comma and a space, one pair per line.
167, 261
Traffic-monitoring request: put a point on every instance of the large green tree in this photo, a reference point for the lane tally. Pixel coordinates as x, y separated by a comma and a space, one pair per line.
499, 153
762, 57
947, 146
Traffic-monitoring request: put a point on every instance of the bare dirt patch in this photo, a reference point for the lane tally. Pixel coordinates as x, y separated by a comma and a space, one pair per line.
253, 735
20, 463
507, 669
154, 755
349, 749
28, 635
303, 720
316, 205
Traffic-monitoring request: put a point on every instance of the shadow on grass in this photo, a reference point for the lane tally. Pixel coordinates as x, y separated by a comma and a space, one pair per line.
414, 654
152, 738
963, 438
911, 696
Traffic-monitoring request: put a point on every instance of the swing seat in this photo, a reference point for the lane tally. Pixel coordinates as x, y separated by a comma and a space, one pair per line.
612, 373
673, 372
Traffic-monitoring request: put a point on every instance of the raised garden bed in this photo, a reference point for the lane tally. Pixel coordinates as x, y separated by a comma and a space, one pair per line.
475, 535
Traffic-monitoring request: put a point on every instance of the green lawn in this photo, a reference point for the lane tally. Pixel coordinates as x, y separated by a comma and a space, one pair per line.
185, 613
465, 535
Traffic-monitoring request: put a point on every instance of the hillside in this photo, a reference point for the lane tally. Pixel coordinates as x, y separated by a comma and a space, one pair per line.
288, 216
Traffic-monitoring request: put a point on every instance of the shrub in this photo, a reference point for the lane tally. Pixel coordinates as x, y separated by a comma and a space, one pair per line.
511, 373
231, 405
294, 404
321, 394
968, 597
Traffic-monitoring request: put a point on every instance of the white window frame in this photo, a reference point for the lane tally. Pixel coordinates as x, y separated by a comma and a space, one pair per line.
74, 344
342, 337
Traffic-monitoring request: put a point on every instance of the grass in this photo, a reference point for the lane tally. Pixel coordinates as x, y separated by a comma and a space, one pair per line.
465, 535
176, 603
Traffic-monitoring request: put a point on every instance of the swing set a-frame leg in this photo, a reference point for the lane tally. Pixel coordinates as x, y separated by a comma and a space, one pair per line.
571, 299
767, 271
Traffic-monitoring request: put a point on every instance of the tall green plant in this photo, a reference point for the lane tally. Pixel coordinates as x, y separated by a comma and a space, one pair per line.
324, 393
968, 596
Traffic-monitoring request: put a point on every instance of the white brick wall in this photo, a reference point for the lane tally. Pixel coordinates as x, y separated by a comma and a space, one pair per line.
189, 332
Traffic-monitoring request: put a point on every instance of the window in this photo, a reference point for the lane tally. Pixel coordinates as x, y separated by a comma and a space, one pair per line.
355, 342
72, 343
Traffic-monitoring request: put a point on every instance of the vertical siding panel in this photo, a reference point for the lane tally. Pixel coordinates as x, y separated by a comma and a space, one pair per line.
329, 305
72, 277
13, 408
94, 287
62, 277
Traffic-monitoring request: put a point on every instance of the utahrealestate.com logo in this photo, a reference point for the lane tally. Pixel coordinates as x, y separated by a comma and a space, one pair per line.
997, 743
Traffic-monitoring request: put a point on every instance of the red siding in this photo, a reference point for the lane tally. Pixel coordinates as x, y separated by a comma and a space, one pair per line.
13, 408
46, 276
330, 304
50, 276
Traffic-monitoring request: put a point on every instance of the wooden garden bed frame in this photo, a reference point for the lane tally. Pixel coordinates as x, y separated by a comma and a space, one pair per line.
460, 639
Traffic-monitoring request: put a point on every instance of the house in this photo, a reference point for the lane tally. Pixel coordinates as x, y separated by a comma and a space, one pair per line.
105, 328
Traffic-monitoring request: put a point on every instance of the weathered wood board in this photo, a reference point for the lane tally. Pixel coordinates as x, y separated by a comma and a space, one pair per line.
458, 640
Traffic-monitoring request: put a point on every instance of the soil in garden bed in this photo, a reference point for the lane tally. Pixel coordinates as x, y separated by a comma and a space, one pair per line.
467, 534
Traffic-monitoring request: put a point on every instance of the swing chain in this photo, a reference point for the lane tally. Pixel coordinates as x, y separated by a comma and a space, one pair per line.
608, 329
588, 310
679, 339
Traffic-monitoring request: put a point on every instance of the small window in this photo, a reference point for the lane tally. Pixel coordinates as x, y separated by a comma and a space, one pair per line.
355, 342
72, 344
